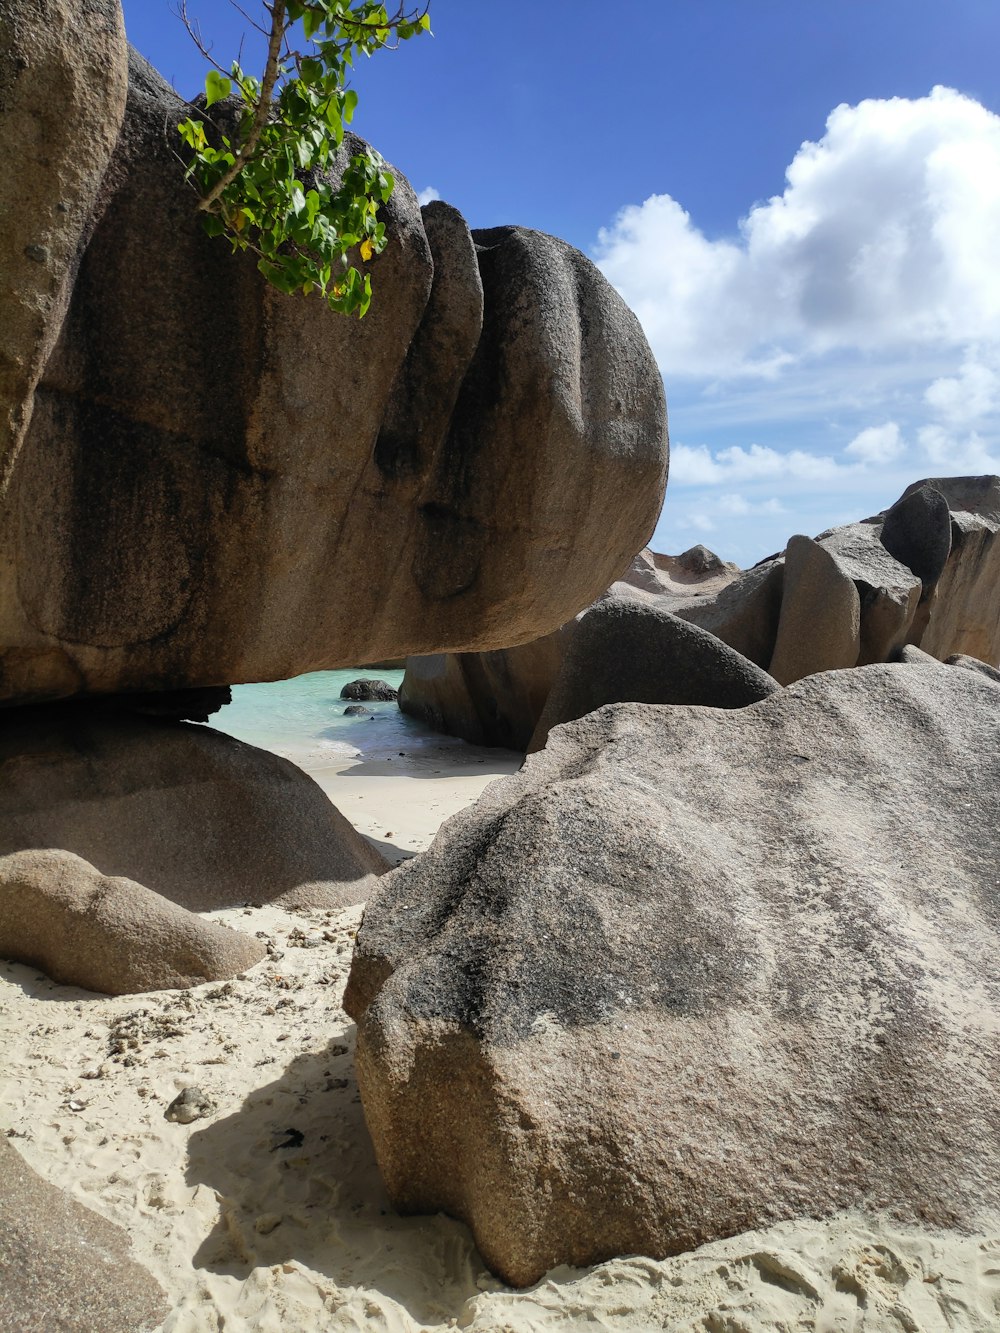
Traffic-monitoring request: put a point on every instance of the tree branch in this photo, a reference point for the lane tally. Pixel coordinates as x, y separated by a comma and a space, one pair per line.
261, 111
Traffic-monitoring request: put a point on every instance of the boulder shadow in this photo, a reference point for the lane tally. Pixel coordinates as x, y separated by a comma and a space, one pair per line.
295, 1174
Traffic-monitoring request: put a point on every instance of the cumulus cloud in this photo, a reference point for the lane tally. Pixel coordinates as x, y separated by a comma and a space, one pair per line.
885, 235
877, 444
427, 195
696, 465
971, 394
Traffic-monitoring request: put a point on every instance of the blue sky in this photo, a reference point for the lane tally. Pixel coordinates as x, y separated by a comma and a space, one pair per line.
809, 232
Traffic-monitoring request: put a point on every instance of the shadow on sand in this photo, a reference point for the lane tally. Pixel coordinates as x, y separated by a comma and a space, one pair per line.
295, 1172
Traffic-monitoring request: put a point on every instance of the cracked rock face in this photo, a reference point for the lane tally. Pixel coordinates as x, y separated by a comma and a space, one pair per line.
221, 483
692, 971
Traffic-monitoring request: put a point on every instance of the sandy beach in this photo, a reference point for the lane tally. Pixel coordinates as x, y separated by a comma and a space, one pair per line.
269, 1214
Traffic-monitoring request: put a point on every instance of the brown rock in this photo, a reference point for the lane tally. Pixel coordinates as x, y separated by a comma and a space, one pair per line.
820, 624
963, 616
486, 698
63, 75
193, 815
109, 934
211, 464
65, 1269
693, 971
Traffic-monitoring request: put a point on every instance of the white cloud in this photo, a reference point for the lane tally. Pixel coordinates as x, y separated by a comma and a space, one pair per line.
971, 394
877, 444
950, 454
698, 466
885, 236
427, 195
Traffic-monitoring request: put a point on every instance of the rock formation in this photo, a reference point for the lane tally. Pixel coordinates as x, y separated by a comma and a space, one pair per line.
920, 573
107, 933
191, 814
63, 77
692, 971
378, 691
628, 651
819, 628
65, 1268
210, 464
486, 698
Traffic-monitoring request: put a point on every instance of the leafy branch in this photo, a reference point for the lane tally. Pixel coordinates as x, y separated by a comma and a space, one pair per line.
265, 187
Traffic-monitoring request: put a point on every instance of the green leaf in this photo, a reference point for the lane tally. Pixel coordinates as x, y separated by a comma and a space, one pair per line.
217, 86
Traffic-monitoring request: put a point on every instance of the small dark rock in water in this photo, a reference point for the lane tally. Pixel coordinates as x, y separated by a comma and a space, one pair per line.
379, 690
355, 710
190, 1104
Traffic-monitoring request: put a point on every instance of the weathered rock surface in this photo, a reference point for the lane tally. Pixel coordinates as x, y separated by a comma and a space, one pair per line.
629, 651
497, 698
193, 815
856, 595
63, 77
963, 616
107, 933
974, 664
889, 592
819, 628
916, 530
691, 971
486, 698
210, 463
66, 1269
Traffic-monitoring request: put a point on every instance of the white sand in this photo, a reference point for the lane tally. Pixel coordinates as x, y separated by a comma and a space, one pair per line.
248, 1227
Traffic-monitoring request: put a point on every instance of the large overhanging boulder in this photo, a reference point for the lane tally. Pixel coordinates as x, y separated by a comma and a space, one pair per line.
693, 970
221, 483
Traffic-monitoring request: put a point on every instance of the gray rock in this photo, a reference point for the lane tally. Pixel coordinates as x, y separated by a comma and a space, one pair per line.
625, 650
370, 691
193, 815
189, 1105
107, 933
819, 628
888, 591
916, 530
740, 607
693, 971
66, 1269
357, 710
963, 613
423, 398
193, 426
973, 664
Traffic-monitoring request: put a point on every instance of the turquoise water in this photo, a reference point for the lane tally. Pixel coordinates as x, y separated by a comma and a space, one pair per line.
303, 719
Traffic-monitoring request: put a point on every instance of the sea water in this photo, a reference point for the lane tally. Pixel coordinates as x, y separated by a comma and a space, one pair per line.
303, 720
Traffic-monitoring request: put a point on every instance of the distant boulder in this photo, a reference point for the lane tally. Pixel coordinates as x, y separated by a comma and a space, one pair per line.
629, 651
109, 934
371, 691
